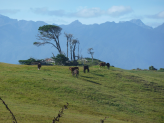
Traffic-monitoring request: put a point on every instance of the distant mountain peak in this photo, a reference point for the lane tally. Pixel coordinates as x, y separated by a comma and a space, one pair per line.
76, 22
137, 21
140, 23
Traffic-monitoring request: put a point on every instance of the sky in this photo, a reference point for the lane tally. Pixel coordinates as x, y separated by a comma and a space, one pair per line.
150, 12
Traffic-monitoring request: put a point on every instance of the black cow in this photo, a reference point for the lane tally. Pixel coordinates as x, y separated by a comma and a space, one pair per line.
39, 66
85, 67
108, 65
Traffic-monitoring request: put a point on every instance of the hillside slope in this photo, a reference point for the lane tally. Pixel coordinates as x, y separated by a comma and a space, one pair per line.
36, 96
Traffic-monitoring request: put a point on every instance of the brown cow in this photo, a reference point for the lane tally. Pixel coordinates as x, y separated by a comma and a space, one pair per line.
73, 68
102, 64
85, 67
75, 72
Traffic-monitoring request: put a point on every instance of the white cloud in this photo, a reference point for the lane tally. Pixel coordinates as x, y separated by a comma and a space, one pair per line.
9, 11
114, 11
119, 10
88, 12
45, 11
159, 15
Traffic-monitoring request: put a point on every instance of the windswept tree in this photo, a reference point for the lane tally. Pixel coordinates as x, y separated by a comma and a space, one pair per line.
47, 34
69, 38
74, 42
89, 52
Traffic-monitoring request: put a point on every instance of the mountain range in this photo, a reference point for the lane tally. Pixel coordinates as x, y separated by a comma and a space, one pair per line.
127, 44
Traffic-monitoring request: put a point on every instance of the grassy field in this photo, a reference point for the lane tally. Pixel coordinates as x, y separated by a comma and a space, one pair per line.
125, 96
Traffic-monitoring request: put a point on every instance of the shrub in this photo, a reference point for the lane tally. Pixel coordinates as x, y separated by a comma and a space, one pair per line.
161, 69
60, 59
28, 61
152, 68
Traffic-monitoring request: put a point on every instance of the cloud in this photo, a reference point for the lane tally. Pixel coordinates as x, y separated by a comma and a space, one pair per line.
9, 11
45, 11
119, 11
159, 15
115, 11
88, 12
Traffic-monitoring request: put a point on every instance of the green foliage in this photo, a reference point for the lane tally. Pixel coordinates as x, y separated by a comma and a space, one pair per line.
49, 29
28, 61
161, 69
89, 62
60, 59
152, 68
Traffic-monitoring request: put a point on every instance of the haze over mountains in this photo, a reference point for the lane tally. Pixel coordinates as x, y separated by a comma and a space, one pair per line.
128, 45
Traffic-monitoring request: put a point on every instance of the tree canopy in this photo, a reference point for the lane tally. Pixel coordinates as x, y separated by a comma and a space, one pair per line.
47, 33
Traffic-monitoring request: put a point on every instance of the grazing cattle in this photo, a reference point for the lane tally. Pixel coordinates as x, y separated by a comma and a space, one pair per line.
85, 67
73, 68
108, 65
102, 64
75, 72
39, 66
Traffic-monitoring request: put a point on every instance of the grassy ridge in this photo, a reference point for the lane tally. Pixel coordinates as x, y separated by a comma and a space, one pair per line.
36, 96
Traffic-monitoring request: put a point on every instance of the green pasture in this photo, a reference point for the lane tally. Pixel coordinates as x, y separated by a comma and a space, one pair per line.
125, 96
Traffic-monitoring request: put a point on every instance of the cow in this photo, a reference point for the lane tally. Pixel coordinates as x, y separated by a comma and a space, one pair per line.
73, 68
75, 72
108, 65
85, 67
102, 64
39, 66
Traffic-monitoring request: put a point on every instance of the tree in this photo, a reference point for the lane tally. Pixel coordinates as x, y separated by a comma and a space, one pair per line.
60, 59
69, 37
71, 47
74, 42
89, 52
47, 33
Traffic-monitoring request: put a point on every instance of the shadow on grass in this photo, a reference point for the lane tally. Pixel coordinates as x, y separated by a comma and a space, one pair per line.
89, 80
98, 75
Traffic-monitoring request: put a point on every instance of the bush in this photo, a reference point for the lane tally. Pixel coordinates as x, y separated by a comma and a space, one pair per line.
60, 59
161, 69
139, 69
152, 68
28, 61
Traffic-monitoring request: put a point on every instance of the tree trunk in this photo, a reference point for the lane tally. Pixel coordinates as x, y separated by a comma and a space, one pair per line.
67, 48
92, 58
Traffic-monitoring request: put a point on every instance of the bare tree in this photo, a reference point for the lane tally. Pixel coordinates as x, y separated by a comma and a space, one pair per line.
47, 33
89, 52
78, 50
69, 37
71, 46
74, 42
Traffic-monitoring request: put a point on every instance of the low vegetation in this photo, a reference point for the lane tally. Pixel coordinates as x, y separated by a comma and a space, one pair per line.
121, 96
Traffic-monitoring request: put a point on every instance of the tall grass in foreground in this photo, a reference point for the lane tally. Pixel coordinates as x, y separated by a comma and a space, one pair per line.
36, 96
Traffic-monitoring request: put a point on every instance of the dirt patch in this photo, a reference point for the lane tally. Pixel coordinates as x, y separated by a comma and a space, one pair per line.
135, 79
145, 85
152, 86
